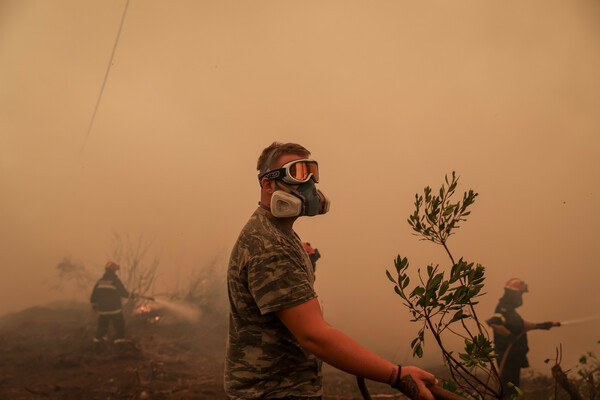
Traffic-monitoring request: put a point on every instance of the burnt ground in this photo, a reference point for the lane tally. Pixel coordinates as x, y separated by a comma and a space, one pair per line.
48, 353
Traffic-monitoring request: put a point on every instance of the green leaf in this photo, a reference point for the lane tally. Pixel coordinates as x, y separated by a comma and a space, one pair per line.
418, 291
457, 315
418, 351
444, 287
435, 282
414, 342
405, 283
460, 293
405, 263
450, 386
390, 276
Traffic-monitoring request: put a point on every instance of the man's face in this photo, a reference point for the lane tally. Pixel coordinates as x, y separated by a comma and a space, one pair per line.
306, 199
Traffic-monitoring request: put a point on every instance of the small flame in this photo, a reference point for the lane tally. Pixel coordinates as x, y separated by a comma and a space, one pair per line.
144, 308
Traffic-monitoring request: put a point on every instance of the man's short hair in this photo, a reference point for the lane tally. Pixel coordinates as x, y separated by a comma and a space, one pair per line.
278, 150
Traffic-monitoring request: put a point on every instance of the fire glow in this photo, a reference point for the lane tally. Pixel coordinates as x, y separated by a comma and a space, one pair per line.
144, 308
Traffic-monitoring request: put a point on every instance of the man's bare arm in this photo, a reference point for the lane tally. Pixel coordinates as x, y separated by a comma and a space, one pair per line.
337, 349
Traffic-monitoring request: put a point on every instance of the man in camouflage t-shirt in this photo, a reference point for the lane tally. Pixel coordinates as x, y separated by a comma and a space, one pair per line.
277, 334
269, 270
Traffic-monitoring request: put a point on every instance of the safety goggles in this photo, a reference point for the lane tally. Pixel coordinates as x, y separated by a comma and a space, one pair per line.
294, 172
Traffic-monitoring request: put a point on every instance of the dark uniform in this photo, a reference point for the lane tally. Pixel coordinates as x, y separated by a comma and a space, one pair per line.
313, 254
511, 363
106, 300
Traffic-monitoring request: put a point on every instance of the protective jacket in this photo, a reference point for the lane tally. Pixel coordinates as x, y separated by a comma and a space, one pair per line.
107, 293
506, 315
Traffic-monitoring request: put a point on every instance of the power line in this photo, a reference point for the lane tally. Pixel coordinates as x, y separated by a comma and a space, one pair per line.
105, 79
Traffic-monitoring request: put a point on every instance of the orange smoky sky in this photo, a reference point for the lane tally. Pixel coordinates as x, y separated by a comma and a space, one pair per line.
389, 97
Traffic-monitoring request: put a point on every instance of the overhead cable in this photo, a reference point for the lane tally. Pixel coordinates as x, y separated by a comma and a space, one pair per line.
112, 55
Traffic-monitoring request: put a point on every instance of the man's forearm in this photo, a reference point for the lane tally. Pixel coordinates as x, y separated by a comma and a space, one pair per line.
342, 352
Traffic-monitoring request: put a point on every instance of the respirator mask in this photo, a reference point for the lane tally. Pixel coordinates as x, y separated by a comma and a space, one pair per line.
306, 199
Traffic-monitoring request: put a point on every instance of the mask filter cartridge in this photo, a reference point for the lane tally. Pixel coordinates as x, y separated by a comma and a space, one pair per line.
284, 205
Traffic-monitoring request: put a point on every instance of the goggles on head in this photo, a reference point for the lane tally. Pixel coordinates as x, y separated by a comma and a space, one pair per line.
295, 172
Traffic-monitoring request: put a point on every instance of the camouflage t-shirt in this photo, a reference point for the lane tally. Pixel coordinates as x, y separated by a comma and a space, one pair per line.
269, 270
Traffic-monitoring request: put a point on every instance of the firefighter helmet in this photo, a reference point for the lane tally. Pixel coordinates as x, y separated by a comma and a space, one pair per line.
112, 266
517, 285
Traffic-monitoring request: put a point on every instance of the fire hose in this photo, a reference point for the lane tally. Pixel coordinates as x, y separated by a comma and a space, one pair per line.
438, 392
139, 296
509, 347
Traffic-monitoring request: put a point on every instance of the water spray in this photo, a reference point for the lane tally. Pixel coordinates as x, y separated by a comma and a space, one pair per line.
184, 310
579, 321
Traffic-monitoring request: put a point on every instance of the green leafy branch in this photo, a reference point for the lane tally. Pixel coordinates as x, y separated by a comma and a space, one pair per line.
435, 217
445, 303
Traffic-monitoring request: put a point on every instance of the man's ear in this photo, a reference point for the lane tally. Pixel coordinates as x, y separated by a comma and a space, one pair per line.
268, 185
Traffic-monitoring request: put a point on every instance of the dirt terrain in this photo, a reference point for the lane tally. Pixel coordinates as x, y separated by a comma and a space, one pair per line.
48, 353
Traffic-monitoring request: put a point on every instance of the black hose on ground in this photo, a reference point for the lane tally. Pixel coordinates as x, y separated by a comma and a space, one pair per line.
438, 392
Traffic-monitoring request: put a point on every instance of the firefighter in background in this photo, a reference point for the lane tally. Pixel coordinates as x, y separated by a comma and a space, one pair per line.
106, 301
313, 254
510, 337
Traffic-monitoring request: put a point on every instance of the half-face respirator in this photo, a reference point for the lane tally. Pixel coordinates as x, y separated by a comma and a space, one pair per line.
306, 200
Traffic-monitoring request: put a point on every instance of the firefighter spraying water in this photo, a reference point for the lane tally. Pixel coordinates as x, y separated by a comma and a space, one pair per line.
510, 335
106, 301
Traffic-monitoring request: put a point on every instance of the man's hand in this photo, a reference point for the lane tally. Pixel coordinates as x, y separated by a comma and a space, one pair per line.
414, 383
545, 325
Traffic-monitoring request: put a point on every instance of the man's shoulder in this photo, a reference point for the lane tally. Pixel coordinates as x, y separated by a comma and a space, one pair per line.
261, 230
109, 280
103, 280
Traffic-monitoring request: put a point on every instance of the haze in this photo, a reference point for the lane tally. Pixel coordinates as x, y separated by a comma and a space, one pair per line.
389, 97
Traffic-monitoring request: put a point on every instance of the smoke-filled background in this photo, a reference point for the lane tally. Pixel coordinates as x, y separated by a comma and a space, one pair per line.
389, 97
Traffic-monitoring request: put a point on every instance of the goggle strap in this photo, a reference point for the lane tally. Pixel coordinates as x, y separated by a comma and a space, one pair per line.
265, 167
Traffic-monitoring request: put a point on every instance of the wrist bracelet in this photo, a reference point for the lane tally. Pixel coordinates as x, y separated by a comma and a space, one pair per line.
396, 383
